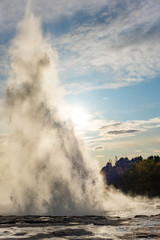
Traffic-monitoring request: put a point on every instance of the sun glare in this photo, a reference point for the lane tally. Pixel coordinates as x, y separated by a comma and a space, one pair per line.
79, 117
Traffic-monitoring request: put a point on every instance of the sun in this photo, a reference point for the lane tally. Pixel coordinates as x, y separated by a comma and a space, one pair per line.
79, 117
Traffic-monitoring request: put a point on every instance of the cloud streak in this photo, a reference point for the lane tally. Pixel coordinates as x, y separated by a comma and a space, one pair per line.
130, 131
99, 148
103, 131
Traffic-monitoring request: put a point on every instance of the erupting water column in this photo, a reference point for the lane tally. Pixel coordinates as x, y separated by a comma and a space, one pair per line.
45, 170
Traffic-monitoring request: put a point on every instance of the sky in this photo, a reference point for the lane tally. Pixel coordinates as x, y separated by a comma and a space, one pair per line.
109, 64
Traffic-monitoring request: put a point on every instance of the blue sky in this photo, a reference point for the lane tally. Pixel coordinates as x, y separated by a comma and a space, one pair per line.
109, 64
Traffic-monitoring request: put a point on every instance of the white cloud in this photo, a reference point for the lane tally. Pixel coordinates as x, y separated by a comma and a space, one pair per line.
125, 47
12, 11
4, 60
10, 14
52, 10
103, 131
136, 146
115, 43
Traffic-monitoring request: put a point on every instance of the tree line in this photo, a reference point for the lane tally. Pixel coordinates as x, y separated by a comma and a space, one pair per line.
137, 176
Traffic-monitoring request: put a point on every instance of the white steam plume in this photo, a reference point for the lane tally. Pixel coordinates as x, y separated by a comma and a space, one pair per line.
44, 169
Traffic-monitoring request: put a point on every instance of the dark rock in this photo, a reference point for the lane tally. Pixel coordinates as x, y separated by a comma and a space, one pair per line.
140, 216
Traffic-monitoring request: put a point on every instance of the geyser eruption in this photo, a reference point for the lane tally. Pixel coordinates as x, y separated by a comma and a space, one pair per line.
44, 168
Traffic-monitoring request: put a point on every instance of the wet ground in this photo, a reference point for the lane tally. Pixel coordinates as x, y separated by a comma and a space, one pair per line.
76, 228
